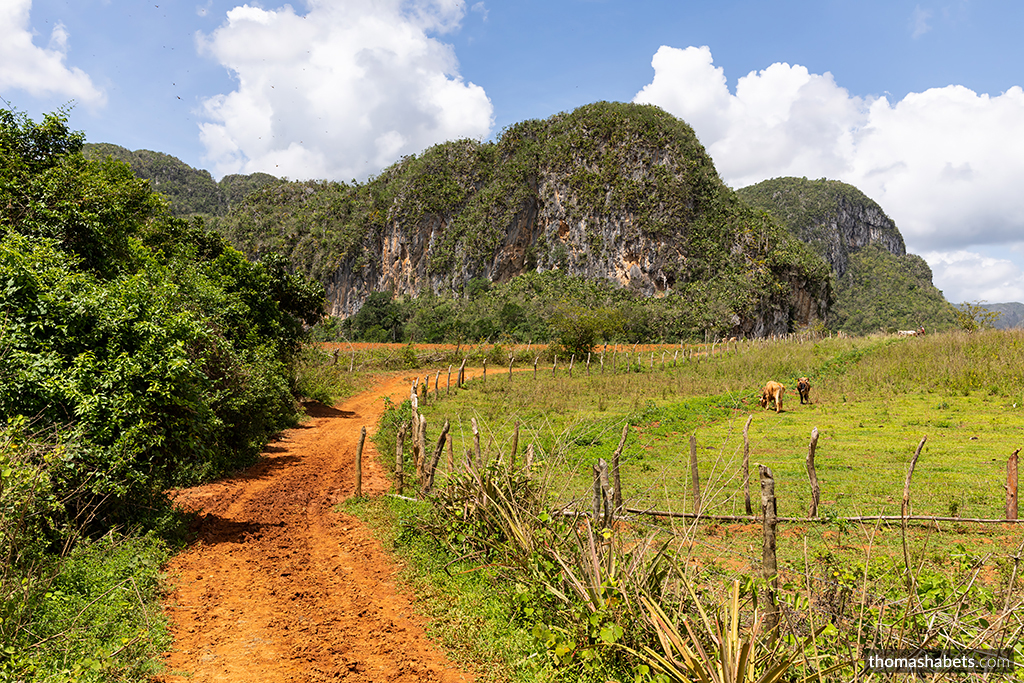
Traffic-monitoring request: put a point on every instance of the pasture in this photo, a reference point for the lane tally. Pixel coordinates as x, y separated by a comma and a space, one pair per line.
873, 400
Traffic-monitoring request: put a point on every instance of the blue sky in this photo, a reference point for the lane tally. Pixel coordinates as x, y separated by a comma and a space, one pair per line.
919, 104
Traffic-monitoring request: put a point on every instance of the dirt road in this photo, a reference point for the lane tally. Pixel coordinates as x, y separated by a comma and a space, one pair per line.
279, 586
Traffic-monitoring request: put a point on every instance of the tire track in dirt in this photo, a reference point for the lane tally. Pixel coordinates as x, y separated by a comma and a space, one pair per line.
280, 587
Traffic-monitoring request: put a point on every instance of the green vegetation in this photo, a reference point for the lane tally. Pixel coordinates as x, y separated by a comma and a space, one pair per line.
880, 291
140, 352
604, 603
466, 212
190, 191
878, 286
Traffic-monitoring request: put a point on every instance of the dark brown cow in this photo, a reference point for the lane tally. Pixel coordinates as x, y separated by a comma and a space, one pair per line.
803, 387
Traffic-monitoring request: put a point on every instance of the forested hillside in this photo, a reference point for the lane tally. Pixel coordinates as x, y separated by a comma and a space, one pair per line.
190, 191
878, 285
610, 192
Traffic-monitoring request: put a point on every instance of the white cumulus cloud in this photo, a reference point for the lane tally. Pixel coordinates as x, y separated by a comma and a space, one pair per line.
339, 92
946, 164
39, 71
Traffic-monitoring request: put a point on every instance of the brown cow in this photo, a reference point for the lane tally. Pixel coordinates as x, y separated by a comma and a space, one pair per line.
772, 391
803, 387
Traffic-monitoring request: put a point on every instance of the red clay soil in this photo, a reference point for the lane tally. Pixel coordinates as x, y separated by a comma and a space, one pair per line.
281, 587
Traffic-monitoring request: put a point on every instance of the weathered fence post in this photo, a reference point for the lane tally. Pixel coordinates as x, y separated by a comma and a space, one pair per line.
812, 474
554, 366
746, 465
906, 484
1011, 486
769, 520
616, 481
399, 464
663, 361
511, 360
476, 447
694, 475
421, 446
462, 373
451, 455
675, 358
428, 482
515, 447
588, 363
652, 361
571, 361
529, 461
596, 489
437, 381
485, 369
535, 360
359, 464
602, 499
448, 388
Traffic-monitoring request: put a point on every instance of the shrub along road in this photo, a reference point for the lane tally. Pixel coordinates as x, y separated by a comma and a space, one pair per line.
279, 586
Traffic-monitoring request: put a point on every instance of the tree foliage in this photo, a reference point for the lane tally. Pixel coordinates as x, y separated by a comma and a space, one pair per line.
151, 351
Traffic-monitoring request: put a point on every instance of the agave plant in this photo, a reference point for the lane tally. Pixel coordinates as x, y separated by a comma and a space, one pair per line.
734, 653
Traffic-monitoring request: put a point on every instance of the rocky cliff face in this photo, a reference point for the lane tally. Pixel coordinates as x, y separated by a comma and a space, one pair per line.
834, 218
609, 191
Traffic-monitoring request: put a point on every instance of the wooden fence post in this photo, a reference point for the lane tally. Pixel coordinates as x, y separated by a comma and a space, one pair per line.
428, 482
359, 464
451, 455
399, 464
606, 497
515, 447
588, 363
476, 448
694, 475
462, 373
1011, 486
616, 481
437, 381
448, 388
571, 361
535, 360
421, 446
769, 519
813, 474
511, 360
910, 473
554, 366
529, 461
746, 465
596, 489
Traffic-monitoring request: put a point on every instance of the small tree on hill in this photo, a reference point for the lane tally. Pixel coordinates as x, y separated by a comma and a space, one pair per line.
973, 317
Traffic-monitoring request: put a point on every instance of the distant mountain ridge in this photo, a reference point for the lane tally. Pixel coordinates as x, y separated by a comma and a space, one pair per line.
1011, 314
191, 191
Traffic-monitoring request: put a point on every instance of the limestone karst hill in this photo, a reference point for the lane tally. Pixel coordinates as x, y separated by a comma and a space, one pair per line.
611, 192
877, 284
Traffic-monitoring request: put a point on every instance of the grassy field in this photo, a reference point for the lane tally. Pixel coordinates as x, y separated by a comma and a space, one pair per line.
873, 400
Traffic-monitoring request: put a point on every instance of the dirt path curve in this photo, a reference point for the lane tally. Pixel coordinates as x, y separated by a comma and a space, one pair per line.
279, 586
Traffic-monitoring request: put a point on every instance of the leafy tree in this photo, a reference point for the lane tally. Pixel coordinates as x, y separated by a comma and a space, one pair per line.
974, 317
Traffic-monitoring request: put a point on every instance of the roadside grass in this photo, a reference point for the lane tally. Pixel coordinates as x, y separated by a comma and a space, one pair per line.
873, 400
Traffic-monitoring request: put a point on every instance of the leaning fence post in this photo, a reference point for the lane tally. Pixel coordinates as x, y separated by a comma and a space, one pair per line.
910, 473
437, 381
616, 481
554, 366
746, 465
694, 475
428, 482
462, 373
511, 360
812, 474
1011, 486
571, 361
359, 464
